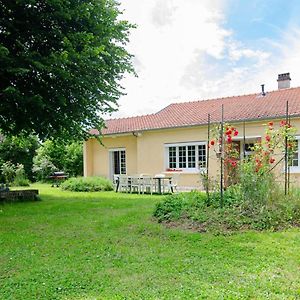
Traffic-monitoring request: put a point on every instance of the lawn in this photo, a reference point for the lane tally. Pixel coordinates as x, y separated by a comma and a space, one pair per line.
106, 246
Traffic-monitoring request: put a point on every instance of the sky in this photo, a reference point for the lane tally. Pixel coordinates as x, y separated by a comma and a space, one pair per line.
187, 50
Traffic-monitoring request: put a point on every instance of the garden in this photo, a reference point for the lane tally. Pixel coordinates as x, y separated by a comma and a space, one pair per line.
105, 245
251, 196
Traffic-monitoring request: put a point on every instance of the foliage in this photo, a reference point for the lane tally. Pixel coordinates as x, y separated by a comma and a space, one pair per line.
73, 159
42, 166
19, 150
190, 208
20, 176
254, 174
61, 65
14, 174
87, 184
54, 155
8, 170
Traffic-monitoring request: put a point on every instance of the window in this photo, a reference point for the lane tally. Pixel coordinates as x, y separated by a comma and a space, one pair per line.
248, 149
295, 157
186, 156
118, 161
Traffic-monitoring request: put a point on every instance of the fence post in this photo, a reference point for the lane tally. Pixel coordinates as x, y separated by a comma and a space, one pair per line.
286, 151
222, 154
207, 162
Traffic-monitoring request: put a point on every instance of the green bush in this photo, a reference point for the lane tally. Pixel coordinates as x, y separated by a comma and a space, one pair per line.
20, 176
87, 184
42, 166
275, 213
8, 170
173, 206
55, 155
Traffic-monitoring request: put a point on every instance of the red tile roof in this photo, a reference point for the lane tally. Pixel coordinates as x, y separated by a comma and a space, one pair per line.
237, 108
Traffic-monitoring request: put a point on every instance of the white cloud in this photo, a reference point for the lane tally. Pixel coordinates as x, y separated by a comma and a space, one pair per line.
183, 51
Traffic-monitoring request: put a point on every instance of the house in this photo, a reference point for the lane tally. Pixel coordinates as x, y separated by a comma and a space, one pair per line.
174, 140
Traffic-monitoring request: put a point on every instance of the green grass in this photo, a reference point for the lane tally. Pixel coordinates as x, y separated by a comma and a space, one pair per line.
106, 246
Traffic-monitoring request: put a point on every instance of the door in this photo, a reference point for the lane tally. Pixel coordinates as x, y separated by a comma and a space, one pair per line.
117, 162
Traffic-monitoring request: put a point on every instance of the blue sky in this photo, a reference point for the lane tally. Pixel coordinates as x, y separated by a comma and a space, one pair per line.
191, 50
258, 20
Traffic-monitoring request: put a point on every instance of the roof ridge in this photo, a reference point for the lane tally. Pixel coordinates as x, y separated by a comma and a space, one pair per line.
131, 117
235, 96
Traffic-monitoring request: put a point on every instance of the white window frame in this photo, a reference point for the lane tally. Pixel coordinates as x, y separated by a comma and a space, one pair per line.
111, 151
185, 144
296, 169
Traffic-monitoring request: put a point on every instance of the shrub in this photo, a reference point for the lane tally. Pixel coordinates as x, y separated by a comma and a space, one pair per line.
8, 170
87, 184
274, 214
173, 206
19, 150
42, 167
20, 176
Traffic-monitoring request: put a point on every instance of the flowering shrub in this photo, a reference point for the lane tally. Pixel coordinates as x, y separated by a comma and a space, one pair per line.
254, 174
230, 150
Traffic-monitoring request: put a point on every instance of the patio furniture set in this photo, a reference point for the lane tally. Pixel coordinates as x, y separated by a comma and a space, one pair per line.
142, 183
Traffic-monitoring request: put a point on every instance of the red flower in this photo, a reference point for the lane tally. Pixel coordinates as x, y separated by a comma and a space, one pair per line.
234, 163
229, 139
236, 133
270, 124
268, 138
228, 132
282, 123
272, 160
212, 142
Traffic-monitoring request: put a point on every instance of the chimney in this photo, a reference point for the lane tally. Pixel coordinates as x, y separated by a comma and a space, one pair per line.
263, 93
284, 81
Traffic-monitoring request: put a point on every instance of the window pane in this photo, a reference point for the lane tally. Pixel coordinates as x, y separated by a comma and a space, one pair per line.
116, 162
123, 162
202, 156
295, 157
182, 156
172, 157
191, 156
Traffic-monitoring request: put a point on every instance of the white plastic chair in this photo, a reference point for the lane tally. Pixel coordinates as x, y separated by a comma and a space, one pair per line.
135, 184
147, 183
123, 185
174, 182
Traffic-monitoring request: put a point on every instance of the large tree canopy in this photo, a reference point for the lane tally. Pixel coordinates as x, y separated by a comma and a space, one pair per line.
61, 62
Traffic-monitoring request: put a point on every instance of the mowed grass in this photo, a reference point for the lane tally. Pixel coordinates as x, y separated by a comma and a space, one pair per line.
107, 246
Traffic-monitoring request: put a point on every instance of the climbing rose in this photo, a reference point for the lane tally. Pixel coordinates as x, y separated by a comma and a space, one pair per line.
282, 123
212, 142
234, 163
236, 133
272, 160
268, 138
271, 124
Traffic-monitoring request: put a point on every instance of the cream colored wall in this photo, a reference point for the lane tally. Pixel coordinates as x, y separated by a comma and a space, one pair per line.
97, 160
146, 153
88, 157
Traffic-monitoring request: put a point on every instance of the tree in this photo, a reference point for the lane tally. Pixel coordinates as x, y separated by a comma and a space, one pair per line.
19, 150
61, 62
54, 155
